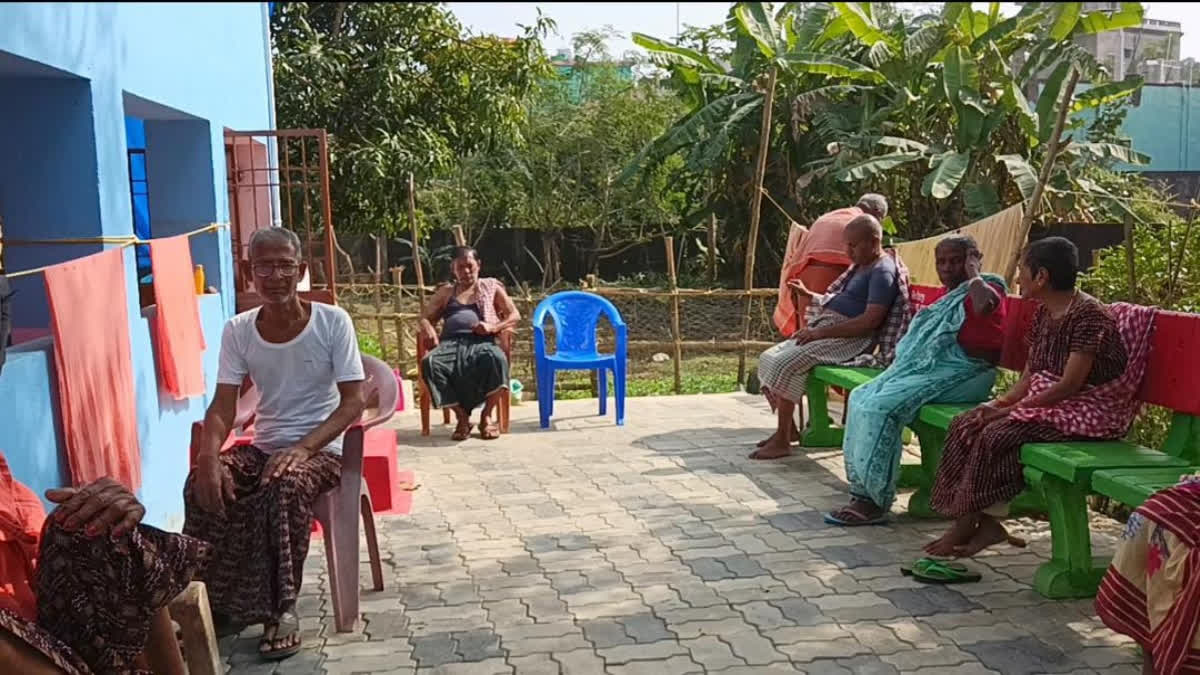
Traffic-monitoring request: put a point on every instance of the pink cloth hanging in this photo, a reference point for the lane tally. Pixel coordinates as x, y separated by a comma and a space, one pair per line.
93, 364
177, 327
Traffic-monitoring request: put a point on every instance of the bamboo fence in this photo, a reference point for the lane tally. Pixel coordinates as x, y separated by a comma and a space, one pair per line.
679, 322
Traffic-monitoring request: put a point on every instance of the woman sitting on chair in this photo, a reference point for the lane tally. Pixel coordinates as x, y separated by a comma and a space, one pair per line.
466, 368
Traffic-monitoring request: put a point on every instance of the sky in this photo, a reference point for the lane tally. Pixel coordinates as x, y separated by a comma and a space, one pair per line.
659, 18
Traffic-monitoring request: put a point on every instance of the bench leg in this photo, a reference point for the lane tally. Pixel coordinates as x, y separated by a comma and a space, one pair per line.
820, 432
1071, 572
191, 611
931, 439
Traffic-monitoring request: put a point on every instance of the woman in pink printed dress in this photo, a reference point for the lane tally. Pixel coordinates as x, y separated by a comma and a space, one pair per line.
1085, 365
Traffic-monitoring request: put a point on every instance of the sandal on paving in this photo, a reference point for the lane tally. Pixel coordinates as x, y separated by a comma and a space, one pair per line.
288, 627
461, 432
932, 571
833, 517
489, 432
907, 569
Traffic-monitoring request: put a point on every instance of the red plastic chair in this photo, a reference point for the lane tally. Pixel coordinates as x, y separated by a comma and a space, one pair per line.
339, 509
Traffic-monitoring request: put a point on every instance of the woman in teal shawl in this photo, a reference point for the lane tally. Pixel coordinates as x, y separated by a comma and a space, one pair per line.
948, 356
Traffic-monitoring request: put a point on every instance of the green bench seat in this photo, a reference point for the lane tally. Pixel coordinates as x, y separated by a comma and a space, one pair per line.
1133, 487
821, 433
1064, 474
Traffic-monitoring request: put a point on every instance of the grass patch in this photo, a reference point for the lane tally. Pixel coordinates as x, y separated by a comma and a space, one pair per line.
701, 375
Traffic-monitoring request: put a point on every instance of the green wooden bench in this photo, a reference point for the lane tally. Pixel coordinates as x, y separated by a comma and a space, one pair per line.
1064, 474
1133, 487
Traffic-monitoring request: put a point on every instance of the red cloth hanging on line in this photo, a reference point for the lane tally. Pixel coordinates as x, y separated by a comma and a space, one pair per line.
93, 365
180, 337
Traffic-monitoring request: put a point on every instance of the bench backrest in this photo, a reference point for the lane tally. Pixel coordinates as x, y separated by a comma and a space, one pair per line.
1172, 376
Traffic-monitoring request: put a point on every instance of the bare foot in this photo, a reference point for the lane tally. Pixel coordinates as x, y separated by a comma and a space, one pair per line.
795, 434
989, 533
959, 534
774, 449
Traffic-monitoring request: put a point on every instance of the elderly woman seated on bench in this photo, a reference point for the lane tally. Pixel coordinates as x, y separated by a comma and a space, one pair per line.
948, 355
1080, 383
846, 326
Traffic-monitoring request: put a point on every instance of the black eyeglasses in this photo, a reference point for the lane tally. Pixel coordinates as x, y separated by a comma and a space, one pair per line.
285, 269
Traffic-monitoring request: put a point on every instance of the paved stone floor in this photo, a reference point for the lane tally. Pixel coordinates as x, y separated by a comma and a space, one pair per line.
658, 548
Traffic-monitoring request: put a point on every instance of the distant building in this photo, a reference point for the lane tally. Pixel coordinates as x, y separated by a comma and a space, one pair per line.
1150, 50
575, 74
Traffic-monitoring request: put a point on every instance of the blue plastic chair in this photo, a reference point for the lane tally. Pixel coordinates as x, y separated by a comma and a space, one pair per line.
575, 314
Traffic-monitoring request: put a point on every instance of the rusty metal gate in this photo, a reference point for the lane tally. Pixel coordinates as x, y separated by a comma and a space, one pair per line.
281, 177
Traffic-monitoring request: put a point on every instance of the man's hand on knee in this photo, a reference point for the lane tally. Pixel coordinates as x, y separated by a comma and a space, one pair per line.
103, 506
285, 461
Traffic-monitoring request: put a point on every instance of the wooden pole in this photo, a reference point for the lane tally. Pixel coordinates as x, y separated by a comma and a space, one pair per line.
1129, 257
760, 171
416, 247
379, 298
712, 248
460, 239
669, 243
416, 254
1035, 201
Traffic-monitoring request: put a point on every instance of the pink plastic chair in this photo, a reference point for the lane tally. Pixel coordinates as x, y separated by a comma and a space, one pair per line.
339, 509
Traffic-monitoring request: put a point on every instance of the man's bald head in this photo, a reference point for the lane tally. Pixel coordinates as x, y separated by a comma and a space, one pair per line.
864, 239
864, 226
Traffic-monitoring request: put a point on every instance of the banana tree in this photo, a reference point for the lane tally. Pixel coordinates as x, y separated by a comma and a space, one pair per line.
961, 62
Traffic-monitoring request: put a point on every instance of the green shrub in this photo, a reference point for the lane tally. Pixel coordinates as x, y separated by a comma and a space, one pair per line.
369, 345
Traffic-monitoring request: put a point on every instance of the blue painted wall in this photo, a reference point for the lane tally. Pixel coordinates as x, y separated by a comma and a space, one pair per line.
77, 71
1166, 126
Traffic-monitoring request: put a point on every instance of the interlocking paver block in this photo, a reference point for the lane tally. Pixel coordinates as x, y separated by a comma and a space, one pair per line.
930, 600
676, 665
478, 645
489, 667
709, 569
742, 566
645, 628
434, 650
579, 662
605, 633
1023, 656
755, 649
655, 651
711, 653
857, 556
537, 664
763, 615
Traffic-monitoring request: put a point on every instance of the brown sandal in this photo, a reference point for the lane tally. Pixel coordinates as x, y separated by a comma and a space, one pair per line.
461, 432
488, 431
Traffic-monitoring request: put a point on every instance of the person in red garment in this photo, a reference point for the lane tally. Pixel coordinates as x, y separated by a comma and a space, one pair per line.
85, 590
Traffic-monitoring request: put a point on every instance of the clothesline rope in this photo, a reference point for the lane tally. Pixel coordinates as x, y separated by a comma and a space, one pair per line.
121, 242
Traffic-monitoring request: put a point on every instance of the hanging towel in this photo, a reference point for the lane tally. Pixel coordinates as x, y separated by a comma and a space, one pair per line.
93, 363
996, 236
817, 256
177, 321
